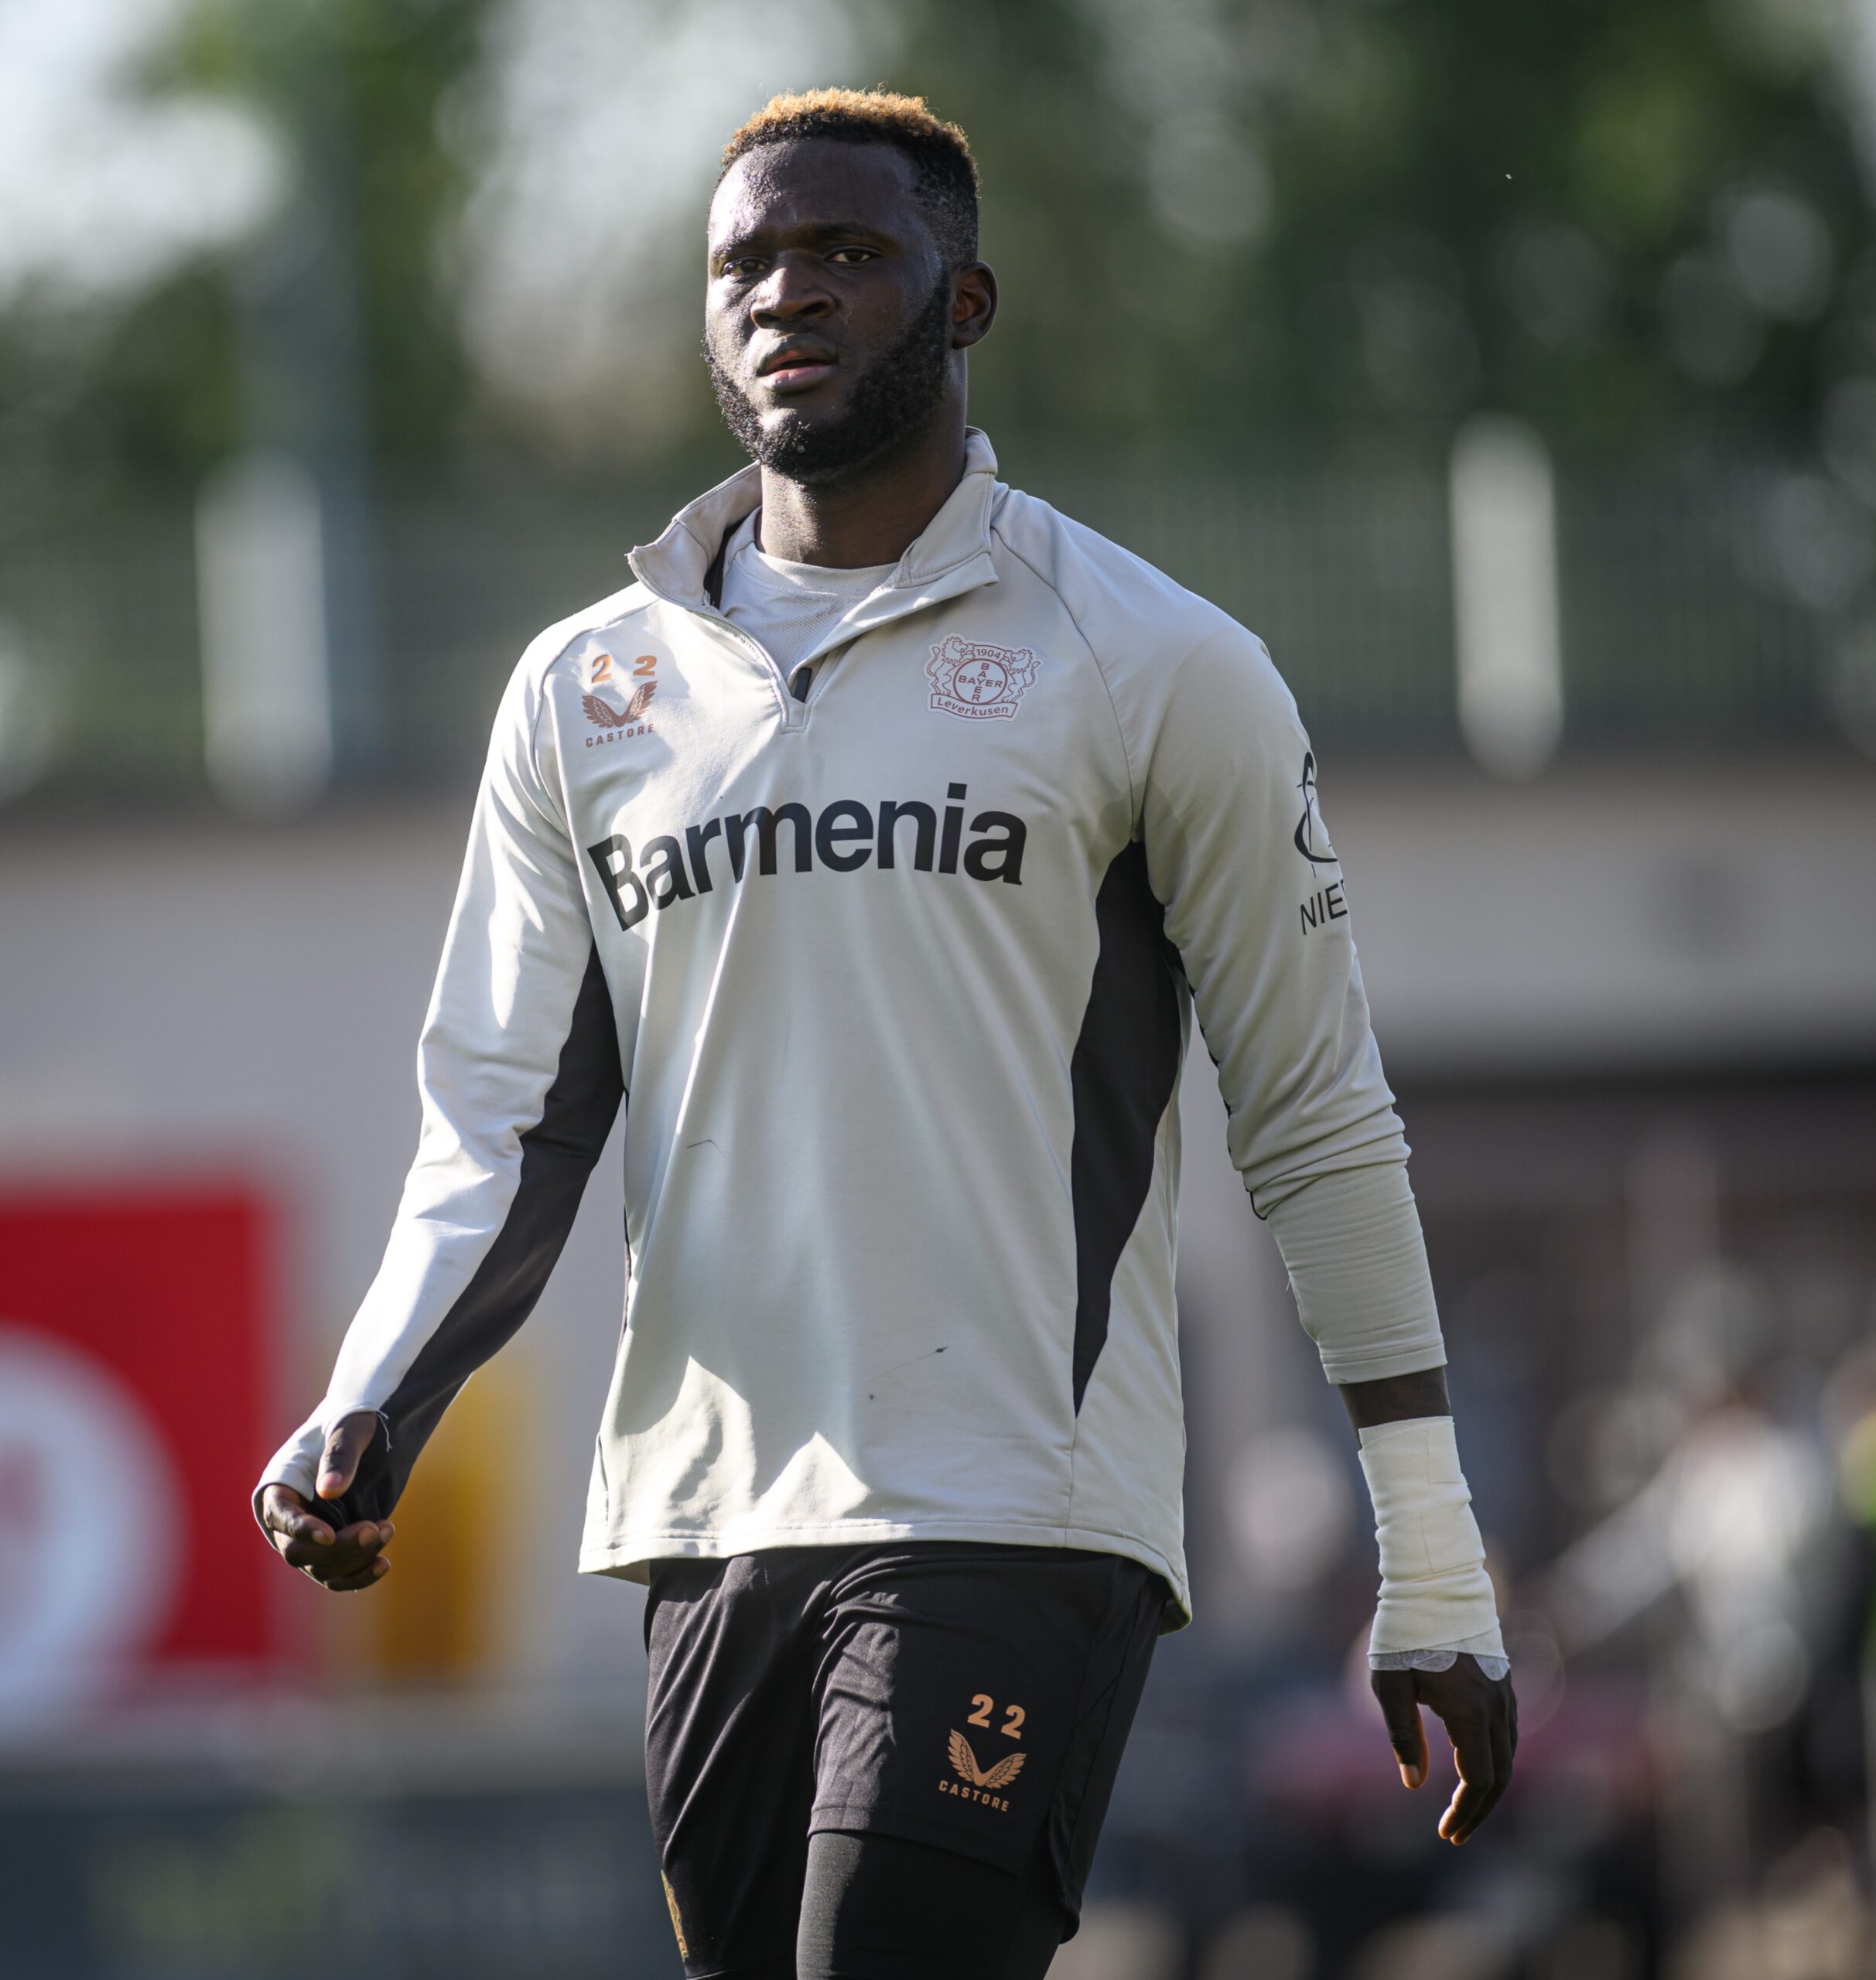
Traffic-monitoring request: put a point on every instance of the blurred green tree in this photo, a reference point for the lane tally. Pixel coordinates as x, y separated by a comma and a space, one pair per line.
1256, 226
102, 394
1265, 224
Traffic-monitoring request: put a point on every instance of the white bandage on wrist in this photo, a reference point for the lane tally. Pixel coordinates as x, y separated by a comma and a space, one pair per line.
1436, 1597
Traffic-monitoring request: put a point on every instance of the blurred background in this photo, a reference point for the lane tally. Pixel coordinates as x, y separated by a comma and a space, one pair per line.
1511, 369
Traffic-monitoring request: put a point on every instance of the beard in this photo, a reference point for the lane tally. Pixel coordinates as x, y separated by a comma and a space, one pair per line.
894, 397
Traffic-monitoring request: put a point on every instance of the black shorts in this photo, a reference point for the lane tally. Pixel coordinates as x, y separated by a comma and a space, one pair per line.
970, 1697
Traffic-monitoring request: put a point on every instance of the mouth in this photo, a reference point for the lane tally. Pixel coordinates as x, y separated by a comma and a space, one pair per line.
797, 366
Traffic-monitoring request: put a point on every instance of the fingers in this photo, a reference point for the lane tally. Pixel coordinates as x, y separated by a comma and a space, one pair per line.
1482, 1724
1400, 1709
367, 1536
284, 1515
350, 1439
1479, 1786
373, 1571
340, 1556
1503, 1740
353, 1559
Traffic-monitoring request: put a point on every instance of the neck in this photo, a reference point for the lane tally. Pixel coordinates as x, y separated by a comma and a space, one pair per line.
871, 516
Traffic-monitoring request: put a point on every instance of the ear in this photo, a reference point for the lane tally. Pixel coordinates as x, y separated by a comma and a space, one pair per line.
973, 305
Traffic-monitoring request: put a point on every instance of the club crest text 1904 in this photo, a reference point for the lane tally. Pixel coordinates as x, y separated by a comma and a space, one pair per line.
978, 681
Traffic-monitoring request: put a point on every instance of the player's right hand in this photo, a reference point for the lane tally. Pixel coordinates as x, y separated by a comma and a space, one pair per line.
353, 1556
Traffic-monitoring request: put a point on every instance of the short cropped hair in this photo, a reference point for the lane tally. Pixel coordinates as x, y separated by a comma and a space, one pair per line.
946, 184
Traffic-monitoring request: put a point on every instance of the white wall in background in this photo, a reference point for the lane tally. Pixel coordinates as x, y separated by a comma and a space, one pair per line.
1640, 916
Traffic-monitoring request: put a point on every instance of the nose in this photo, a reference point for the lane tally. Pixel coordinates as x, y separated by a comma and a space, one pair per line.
792, 292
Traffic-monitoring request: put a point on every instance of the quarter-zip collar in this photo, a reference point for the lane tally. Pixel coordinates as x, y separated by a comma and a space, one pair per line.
950, 556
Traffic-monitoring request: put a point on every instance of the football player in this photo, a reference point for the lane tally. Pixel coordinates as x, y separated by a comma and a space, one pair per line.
877, 848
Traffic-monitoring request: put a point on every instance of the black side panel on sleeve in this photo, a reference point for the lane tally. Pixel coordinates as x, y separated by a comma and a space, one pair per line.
558, 1153
1125, 1068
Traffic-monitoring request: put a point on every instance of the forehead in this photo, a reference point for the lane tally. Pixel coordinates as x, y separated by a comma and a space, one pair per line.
815, 183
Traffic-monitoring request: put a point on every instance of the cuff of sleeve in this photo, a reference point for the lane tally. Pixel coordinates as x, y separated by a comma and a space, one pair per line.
296, 1464
1488, 1648
1343, 1366
1351, 1242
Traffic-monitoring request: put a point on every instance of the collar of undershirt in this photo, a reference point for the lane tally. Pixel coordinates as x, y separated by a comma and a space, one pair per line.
952, 555
778, 578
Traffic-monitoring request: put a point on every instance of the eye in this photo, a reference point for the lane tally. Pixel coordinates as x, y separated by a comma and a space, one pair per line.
852, 258
741, 266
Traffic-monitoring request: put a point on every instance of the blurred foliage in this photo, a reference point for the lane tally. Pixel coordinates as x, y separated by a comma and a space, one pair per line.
1256, 226
1609, 216
151, 392
358, 86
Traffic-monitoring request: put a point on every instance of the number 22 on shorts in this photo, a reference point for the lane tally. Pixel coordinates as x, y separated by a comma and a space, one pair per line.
982, 1704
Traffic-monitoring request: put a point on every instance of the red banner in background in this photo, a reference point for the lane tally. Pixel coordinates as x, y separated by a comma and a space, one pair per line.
136, 1324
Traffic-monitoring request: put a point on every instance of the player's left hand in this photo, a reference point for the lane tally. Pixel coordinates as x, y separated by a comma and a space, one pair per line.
1481, 1717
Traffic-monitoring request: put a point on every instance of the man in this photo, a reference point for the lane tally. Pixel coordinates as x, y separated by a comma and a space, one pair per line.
880, 841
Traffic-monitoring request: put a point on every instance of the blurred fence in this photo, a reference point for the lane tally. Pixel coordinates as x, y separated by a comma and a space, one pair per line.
1702, 604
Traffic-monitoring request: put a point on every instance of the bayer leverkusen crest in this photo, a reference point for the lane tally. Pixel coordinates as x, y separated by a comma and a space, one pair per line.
981, 683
